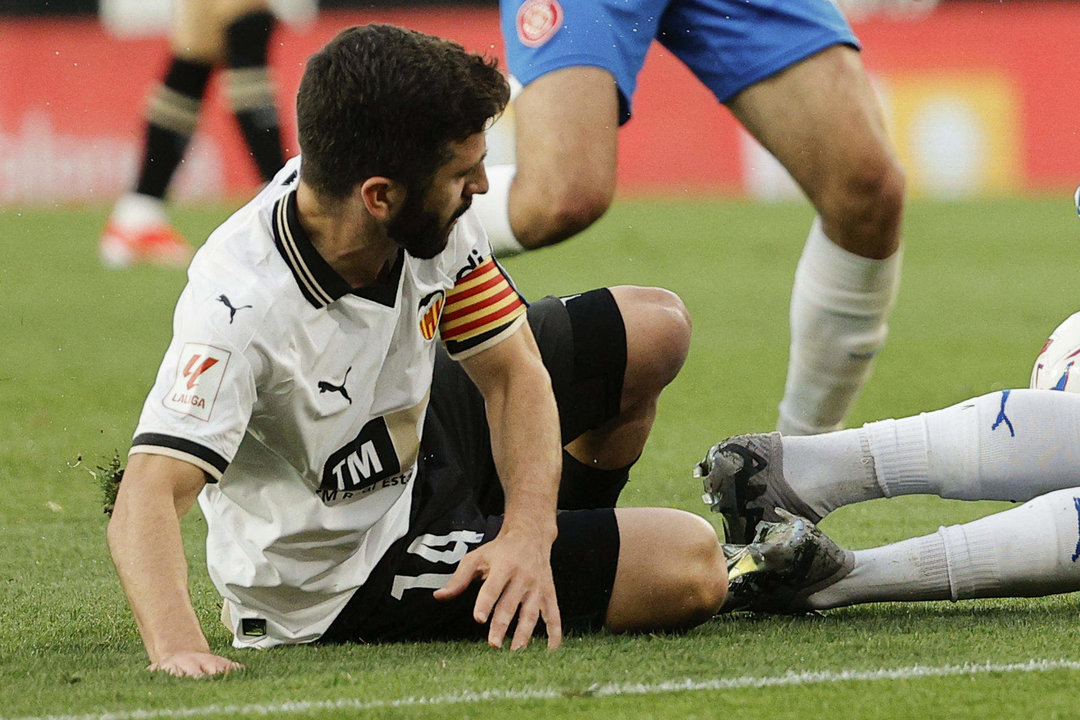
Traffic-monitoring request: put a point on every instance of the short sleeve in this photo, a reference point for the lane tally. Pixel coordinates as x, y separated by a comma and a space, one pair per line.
202, 398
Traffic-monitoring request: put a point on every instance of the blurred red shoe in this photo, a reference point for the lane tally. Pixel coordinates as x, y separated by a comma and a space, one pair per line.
160, 245
137, 233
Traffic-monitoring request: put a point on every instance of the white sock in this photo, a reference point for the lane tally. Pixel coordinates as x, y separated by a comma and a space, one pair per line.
830, 470
138, 212
1010, 445
493, 210
910, 570
839, 305
970, 451
1029, 551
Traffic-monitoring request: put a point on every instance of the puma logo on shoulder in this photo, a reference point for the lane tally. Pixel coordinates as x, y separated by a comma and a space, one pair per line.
223, 299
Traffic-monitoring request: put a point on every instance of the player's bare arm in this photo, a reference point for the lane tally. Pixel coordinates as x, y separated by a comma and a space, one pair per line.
147, 549
516, 565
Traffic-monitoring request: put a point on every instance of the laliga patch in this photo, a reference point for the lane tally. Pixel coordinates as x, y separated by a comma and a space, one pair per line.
198, 380
430, 313
538, 21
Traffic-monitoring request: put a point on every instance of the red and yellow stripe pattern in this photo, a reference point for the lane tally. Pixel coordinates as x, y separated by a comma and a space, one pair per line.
429, 322
479, 304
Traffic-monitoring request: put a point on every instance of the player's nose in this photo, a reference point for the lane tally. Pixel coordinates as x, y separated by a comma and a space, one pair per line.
478, 185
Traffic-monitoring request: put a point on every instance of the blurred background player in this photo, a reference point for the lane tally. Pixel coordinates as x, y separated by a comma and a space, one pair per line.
206, 34
790, 73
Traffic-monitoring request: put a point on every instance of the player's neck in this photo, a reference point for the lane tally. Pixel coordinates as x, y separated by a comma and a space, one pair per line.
353, 243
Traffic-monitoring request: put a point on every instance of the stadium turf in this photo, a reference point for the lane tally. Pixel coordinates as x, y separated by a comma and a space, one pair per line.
984, 283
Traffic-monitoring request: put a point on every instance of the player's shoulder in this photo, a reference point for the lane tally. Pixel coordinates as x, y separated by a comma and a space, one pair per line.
226, 299
236, 278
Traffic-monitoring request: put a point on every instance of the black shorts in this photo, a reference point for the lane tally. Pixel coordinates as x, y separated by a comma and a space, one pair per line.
457, 498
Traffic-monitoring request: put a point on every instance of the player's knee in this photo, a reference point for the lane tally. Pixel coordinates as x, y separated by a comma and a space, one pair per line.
561, 212
873, 188
672, 333
706, 572
679, 588
862, 206
658, 331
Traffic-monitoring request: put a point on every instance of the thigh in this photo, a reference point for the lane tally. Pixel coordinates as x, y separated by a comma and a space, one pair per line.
396, 601
197, 31
819, 118
397, 604
671, 571
566, 127
732, 44
543, 36
583, 342
230, 10
199, 26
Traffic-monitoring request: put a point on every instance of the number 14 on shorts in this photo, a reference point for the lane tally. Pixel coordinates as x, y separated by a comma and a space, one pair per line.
447, 549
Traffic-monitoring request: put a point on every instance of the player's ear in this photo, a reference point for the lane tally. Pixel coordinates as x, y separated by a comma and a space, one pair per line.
381, 196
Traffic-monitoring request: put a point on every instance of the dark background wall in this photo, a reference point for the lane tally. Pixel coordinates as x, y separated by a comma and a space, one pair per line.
83, 7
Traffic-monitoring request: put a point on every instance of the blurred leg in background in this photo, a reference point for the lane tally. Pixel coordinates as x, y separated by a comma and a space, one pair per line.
232, 35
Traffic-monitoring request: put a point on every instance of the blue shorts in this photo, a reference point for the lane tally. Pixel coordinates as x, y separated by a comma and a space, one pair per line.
728, 44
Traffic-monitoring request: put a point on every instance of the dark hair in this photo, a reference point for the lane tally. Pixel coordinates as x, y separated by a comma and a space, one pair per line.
383, 100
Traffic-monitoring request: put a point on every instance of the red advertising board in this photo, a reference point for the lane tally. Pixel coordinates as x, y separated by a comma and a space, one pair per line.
977, 97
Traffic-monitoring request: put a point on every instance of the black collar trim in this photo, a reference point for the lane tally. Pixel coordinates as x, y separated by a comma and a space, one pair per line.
320, 283
316, 279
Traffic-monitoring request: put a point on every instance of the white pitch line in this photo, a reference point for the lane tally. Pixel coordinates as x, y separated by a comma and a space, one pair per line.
610, 690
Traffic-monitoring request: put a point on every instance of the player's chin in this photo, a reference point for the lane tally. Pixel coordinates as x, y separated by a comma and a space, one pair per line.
451, 225
428, 250
464, 208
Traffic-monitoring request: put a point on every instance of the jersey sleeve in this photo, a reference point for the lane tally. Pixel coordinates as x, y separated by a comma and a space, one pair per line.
202, 398
482, 309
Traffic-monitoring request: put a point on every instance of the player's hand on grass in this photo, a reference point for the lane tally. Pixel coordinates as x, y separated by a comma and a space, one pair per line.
195, 665
516, 569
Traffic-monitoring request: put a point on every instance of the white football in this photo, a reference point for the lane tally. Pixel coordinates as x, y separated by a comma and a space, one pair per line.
1058, 365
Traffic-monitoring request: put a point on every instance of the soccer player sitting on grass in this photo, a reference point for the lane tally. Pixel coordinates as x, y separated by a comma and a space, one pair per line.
377, 429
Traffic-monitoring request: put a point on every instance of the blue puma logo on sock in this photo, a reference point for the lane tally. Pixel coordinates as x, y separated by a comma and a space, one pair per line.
1002, 417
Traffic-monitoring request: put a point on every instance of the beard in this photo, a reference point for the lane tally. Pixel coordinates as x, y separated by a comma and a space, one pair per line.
420, 231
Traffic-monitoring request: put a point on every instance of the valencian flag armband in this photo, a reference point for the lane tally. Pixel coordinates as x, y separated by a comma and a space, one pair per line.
481, 310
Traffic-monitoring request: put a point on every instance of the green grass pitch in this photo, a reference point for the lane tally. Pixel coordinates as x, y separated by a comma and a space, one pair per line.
984, 283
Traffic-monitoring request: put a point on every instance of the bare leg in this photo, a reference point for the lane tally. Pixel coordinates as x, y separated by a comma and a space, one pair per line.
566, 124
671, 573
822, 122
199, 27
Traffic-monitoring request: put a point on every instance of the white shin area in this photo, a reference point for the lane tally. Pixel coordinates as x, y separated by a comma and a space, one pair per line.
839, 305
1009, 445
1028, 551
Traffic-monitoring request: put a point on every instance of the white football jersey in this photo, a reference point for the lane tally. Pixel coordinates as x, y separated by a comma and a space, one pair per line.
304, 400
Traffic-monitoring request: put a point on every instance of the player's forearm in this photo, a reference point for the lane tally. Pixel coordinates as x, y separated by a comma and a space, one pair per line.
525, 439
147, 549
